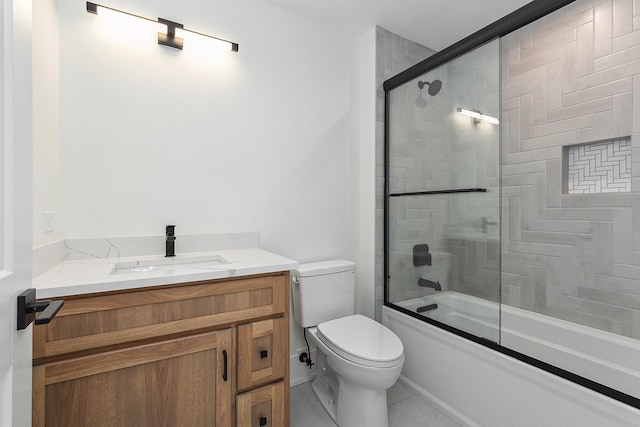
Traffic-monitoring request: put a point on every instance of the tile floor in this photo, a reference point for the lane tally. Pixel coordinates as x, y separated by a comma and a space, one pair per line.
405, 409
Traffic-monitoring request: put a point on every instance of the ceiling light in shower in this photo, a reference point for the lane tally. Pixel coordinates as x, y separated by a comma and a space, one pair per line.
434, 88
477, 116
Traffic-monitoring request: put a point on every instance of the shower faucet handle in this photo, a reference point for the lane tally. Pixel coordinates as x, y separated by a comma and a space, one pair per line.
421, 255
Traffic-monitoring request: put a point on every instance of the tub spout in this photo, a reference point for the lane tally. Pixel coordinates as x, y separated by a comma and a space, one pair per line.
429, 284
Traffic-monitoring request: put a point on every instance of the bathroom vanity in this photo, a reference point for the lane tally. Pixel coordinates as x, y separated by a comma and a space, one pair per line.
204, 352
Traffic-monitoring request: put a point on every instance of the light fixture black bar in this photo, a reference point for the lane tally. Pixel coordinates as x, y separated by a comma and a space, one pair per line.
93, 8
170, 38
234, 46
519, 18
425, 193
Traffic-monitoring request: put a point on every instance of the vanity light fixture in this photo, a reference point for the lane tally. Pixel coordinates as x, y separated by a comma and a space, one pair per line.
170, 33
478, 117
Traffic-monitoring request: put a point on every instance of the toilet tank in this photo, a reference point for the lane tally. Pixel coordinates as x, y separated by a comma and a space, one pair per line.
323, 291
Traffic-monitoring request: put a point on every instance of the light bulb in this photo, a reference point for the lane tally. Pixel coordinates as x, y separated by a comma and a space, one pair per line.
470, 113
202, 42
490, 119
129, 21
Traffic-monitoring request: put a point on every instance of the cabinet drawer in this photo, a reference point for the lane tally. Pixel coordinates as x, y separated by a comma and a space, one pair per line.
261, 347
89, 322
264, 407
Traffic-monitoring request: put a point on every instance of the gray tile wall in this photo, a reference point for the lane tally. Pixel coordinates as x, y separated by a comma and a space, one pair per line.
433, 147
393, 55
569, 78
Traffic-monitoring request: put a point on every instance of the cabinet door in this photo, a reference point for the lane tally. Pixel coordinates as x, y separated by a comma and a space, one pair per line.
178, 382
264, 407
262, 352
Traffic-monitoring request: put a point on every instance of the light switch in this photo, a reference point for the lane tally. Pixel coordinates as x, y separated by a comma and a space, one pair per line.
49, 220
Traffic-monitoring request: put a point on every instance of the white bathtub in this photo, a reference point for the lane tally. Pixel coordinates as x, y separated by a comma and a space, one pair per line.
606, 358
480, 386
474, 315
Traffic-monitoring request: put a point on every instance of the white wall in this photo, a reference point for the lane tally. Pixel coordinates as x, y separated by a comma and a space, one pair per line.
258, 140
267, 139
364, 221
46, 105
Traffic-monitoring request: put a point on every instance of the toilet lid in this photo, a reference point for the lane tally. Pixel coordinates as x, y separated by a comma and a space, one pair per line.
362, 340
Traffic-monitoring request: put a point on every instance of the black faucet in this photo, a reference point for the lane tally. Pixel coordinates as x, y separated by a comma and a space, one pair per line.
170, 242
429, 284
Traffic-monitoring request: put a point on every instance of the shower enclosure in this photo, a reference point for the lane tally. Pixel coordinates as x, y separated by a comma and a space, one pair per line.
512, 217
444, 194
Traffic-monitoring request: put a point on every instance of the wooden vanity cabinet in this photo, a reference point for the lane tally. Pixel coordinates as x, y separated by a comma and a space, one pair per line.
209, 353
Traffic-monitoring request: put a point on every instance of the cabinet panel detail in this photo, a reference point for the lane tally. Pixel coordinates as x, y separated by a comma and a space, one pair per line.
150, 385
260, 346
264, 407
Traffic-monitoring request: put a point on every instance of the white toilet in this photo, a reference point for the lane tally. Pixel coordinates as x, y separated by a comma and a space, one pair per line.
358, 359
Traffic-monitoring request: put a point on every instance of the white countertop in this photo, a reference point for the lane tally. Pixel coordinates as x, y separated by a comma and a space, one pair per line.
89, 276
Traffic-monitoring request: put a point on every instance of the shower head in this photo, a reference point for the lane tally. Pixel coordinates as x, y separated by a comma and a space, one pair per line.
434, 86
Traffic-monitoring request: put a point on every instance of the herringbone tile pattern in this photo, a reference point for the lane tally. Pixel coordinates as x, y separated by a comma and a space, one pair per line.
573, 78
393, 55
434, 147
568, 79
602, 167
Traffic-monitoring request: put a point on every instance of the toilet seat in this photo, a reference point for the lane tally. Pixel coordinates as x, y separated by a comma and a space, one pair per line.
362, 340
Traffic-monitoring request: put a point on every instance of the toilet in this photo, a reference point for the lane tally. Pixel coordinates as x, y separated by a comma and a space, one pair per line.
358, 359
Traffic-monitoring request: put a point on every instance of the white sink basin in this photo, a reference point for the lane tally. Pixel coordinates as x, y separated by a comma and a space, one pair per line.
163, 264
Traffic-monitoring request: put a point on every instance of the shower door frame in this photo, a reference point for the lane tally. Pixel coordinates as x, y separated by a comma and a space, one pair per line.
525, 15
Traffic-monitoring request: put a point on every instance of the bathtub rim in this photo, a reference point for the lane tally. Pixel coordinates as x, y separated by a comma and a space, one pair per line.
552, 369
454, 296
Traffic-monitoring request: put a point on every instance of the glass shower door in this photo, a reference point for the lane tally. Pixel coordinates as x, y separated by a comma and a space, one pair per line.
443, 194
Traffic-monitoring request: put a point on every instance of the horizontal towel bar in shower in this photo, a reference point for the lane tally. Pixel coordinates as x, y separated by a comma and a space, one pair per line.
459, 190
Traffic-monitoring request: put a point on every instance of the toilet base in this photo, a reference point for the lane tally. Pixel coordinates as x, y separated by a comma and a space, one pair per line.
349, 404
358, 406
325, 386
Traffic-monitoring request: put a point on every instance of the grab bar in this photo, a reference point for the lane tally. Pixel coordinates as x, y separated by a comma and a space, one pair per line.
457, 190
426, 308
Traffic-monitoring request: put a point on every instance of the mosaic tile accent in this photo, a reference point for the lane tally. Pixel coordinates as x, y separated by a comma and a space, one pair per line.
601, 167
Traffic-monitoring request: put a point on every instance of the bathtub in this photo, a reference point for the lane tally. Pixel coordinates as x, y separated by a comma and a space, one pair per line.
474, 315
482, 387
